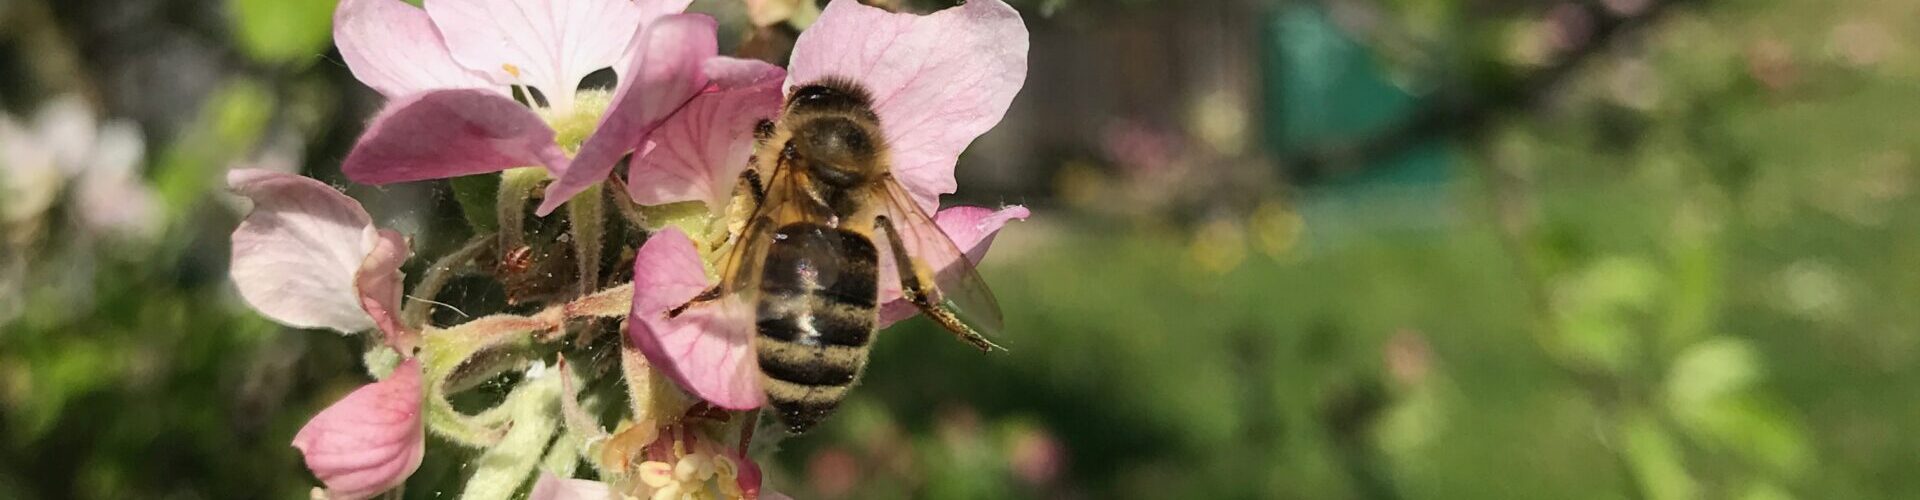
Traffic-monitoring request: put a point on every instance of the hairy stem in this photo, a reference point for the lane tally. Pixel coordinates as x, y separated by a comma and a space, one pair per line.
418, 312
586, 214
517, 186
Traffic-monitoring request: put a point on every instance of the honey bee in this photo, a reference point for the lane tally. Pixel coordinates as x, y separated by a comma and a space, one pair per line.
807, 264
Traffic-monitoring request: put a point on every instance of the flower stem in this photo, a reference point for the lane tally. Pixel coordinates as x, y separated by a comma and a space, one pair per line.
586, 214
517, 186
420, 310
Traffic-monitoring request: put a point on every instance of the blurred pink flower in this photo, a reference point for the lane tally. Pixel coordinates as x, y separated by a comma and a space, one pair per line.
834, 472
1036, 456
938, 81
66, 142
1141, 149
310, 257
450, 67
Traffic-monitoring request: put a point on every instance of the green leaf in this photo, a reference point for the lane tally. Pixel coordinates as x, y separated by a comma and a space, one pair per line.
1656, 460
229, 124
283, 31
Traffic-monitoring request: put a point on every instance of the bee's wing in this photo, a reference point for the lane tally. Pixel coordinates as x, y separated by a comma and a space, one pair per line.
933, 258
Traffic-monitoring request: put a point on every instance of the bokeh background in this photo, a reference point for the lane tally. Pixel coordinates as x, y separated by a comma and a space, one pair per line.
1316, 249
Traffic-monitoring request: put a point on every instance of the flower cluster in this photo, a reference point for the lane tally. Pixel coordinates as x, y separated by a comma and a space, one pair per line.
65, 160
494, 88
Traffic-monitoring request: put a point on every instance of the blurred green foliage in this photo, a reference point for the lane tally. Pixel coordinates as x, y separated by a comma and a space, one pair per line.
1685, 269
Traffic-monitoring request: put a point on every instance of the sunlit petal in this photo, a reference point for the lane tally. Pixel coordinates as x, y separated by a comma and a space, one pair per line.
546, 44
394, 48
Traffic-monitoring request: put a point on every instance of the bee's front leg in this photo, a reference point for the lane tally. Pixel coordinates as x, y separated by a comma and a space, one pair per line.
919, 290
704, 296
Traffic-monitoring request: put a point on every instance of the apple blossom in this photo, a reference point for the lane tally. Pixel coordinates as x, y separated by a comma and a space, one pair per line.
937, 82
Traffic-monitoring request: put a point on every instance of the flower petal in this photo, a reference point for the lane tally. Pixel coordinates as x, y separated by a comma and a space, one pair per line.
546, 44
394, 48
972, 230
450, 133
708, 348
370, 441
938, 81
699, 152
295, 255
666, 71
377, 283
551, 487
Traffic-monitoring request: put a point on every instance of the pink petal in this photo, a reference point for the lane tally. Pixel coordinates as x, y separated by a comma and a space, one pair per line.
699, 152
394, 48
972, 230
666, 71
546, 44
450, 133
938, 81
708, 348
295, 255
370, 441
378, 285
551, 487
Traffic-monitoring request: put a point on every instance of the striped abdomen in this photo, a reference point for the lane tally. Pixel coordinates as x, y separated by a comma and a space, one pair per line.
816, 316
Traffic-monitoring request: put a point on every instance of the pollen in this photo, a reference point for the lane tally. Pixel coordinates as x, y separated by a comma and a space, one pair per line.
511, 70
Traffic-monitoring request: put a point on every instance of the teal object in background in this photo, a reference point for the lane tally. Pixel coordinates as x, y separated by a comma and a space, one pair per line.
1324, 89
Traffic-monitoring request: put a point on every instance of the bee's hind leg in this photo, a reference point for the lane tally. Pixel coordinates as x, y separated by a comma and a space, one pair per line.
920, 293
951, 323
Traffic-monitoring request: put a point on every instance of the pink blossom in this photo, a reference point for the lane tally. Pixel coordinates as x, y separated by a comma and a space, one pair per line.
450, 67
938, 81
369, 441
308, 256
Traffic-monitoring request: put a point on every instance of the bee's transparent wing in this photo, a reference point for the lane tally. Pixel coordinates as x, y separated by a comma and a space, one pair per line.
932, 257
739, 266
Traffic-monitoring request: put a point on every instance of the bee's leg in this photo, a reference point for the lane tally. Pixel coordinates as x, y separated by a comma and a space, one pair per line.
759, 190
918, 290
704, 296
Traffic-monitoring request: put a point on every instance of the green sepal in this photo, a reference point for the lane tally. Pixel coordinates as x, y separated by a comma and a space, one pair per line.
453, 361
477, 195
